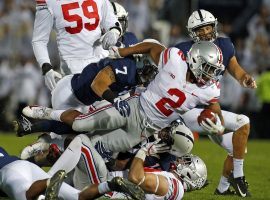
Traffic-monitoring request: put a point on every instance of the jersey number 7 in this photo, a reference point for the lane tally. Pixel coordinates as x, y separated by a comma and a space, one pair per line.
66, 8
162, 102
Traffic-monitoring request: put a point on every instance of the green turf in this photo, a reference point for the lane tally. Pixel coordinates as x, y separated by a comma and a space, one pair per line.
256, 164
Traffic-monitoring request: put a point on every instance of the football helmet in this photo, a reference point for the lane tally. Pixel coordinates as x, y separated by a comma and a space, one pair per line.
200, 18
121, 14
183, 139
205, 61
192, 170
147, 73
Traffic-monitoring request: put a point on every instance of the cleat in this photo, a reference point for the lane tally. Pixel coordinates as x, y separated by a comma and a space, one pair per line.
22, 126
240, 186
34, 149
122, 185
225, 193
37, 112
54, 185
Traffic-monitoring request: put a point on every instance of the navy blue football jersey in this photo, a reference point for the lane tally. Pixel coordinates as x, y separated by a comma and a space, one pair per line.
125, 74
124, 70
5, 158
224, 44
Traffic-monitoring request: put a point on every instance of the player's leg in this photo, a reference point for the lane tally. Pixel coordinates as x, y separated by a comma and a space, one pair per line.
91, 168
233, 122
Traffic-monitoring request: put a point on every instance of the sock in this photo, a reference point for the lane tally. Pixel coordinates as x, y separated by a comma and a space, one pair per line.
238, 167
103, 188
56, 114
223, 184
57, 127
69, 159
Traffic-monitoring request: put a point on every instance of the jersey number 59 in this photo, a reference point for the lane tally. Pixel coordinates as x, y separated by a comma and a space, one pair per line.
67, 8
162, 102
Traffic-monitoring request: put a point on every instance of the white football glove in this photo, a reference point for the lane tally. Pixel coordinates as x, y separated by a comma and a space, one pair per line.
110, 38
213, 128
153, 148
114, 52
51, 78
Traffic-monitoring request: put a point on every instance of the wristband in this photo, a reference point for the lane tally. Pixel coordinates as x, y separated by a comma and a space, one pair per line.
109, 95
141, 154
45, 68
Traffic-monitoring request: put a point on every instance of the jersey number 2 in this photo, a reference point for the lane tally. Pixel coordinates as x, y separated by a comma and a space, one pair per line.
162, 102
66, 8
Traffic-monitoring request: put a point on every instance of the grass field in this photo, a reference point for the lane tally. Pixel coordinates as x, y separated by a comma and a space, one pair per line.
257, 165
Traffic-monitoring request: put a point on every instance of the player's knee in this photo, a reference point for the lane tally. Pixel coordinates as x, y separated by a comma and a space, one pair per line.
242, 120
244, 125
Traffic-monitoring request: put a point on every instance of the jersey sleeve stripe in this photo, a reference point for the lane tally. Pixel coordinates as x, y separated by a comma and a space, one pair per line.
166, 56
174, 196
41, 2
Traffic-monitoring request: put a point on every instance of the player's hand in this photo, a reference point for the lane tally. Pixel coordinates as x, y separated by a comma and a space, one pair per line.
114, 52
248, 81
213, 128
122, 106
154, 148
110, 38
51, 78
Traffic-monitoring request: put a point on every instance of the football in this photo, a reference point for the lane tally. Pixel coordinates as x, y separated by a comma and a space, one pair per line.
206, 113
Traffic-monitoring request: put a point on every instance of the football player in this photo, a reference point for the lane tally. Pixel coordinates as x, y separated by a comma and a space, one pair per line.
79, 26
16, 177
174, 91
202, 26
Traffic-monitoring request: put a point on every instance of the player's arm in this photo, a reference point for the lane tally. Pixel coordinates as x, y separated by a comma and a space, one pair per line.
149, 46
217, 127
215, 107
245, 79
149, 182
41, 34
102, 81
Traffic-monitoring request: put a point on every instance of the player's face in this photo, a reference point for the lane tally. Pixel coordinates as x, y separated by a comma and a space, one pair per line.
205, 33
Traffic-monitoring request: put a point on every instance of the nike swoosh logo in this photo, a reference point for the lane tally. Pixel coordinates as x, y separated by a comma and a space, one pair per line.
1, 155
242, 194
70, 149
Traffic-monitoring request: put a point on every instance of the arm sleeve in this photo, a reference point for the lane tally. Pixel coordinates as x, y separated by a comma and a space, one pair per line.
41, 34
109, 19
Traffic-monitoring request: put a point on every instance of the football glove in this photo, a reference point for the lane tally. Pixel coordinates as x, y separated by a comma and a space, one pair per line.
110, 38
51, 78
154, 148
211, 127
122, 106
114, 52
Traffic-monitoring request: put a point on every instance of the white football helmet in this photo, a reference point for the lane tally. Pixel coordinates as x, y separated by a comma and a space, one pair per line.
183, 139
192, 171
205, 60
121, 14
201, 18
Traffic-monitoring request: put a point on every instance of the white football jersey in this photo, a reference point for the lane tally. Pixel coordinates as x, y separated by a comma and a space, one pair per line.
78, 24
175, 192
170, 95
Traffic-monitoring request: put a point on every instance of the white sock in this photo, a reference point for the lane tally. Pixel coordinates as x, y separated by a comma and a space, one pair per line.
223, 184
238, 167
56, 114
69, 159
103, 188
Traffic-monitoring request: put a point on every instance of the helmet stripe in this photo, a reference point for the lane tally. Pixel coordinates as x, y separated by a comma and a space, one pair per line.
185, 135
200, 15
